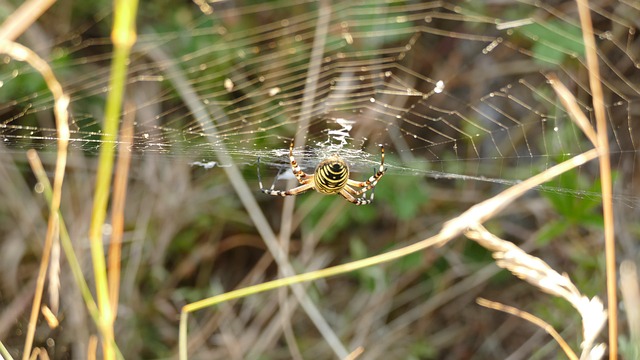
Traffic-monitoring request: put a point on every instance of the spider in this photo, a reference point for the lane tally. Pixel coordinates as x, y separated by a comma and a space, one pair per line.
331, 177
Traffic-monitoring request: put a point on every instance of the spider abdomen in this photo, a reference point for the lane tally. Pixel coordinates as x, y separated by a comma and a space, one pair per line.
331, 175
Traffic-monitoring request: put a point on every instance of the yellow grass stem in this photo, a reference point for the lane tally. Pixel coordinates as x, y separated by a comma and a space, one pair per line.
123, 36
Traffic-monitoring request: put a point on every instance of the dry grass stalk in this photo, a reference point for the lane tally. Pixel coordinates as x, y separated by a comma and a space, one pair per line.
631, 297
54, 274
92, 347
61, 103
537, 273
23, 17
573, 109
50, 317
117, 211
39, 353
605, 171
485, 210
532, 319
355, 353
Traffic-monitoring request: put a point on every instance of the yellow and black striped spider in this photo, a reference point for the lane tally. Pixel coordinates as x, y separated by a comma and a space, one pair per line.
331, 177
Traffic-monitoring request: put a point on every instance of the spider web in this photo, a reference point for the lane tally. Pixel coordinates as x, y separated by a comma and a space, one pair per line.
451, 90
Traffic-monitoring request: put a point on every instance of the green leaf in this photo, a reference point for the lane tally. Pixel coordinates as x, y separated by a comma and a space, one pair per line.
410, 261
357, 249
551, 231
405, 194
554, 41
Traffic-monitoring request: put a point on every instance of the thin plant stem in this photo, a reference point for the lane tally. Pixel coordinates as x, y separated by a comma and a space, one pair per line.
4, 352
61, 103
631, 299
92, 347
123, 36
532, 319
284, 237
23, 17
65, 240
67, 246
605, 172
117, 212
573, 109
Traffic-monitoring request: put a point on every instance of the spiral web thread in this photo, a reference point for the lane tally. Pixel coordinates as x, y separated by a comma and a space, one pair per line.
448, 88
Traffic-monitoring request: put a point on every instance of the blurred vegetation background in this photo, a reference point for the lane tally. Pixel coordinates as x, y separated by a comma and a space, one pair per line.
188, 236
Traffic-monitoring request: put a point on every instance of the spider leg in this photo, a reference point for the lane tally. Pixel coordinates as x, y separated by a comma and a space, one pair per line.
351, 190
372, 181
275, 179
295, 191
297, 171
352, 199
259, 177
306, 185
363, 192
